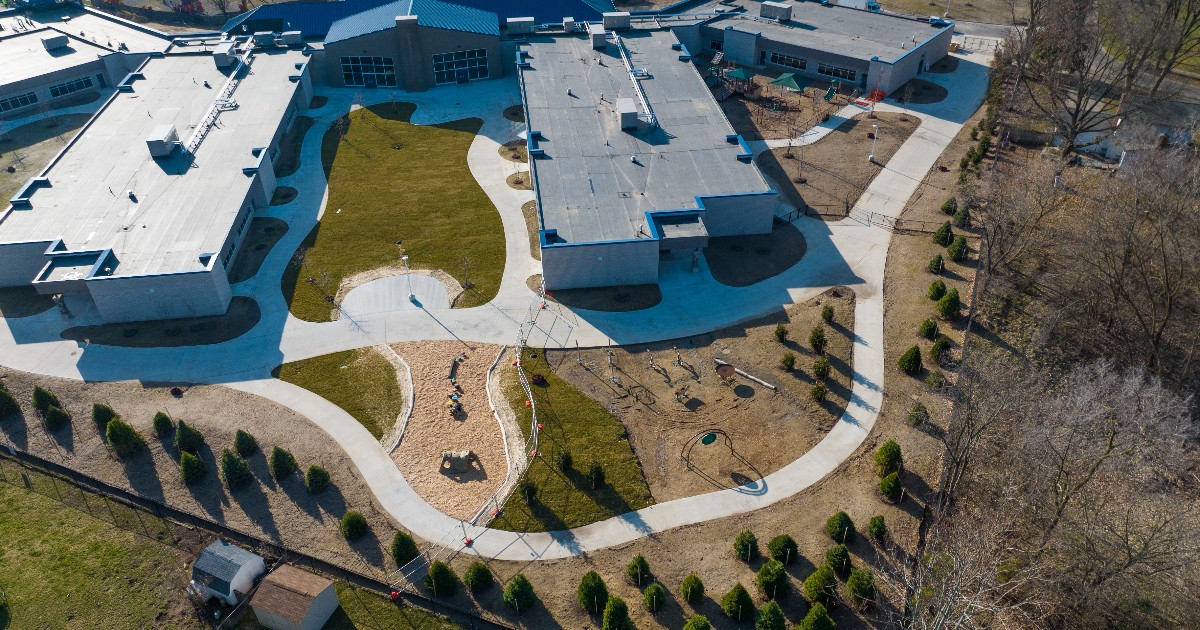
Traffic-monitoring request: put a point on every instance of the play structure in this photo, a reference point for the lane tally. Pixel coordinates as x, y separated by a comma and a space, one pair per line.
458, 461
454, 396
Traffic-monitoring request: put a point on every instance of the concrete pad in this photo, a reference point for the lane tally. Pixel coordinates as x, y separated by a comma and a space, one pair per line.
391, 294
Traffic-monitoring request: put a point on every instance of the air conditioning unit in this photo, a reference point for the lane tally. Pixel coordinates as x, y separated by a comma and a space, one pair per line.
162, 140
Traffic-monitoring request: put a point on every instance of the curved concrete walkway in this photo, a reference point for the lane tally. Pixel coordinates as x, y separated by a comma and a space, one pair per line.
842, 253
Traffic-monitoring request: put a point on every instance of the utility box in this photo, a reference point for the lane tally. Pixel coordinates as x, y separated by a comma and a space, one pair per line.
54, 42
293, 38
568, 24
224, 55
627, 113
520, 25
162, 140
263, 39
616, 20
781, 11
599, 36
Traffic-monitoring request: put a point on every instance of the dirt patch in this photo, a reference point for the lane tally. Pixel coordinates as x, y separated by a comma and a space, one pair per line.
529, 211
283, 195
947, 65
17, 302
835, 170
433, 430
515, 151
243, 314
620, 299
275, 510
261, 237
515, 113
921, 92
520, 181
769, 112
290, 145
29, 148
740, 261
666, 405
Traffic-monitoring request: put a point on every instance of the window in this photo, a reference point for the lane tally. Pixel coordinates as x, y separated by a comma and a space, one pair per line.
789, 61
63, 89
369, 71
449, 67
17, 102
837, 73
715, 44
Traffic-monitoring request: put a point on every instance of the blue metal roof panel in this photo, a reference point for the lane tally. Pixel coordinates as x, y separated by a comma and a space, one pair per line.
370, 21
456, 16
313, 19
543, 11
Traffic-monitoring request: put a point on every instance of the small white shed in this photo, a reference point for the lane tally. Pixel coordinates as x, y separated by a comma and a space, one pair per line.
226, 572
292, 599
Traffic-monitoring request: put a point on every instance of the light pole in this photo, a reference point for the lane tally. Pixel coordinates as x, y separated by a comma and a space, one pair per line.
874, 139
412, 297
946, 15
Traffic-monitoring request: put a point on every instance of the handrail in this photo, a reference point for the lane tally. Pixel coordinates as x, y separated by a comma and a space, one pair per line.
637, 83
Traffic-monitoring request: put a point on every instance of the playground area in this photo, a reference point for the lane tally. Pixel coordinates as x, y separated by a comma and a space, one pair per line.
669, 395
452, 450
765, 104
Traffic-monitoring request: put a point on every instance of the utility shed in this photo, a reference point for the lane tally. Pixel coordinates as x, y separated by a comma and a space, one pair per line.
226, 572
292, 599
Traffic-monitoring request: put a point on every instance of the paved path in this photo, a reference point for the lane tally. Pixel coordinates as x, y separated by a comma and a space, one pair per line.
841, 253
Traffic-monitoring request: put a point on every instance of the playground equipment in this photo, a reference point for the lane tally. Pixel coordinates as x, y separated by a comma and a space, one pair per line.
458, 461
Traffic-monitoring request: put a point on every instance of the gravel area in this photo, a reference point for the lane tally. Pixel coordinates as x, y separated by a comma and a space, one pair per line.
432, 431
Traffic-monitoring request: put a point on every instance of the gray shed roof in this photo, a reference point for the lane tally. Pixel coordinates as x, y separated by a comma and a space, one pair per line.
219, 563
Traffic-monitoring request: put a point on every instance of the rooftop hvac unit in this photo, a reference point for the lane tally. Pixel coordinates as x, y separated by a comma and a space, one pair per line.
599, 37
54, 42
520, 25
293, 38
781, 11
627, 113
162, 140
616, 20
568, 24
264, 38
224, 54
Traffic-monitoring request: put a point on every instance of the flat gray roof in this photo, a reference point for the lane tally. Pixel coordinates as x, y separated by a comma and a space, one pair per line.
848, 32
588, 188
22, 55
183, 208
99, 29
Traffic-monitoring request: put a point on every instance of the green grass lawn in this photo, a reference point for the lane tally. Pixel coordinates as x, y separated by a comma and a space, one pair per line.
365, 609
572, 421
360, 381
60, 568
393, 181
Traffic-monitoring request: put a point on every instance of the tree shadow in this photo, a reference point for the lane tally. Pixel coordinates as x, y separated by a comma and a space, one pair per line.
368, 546
63, 436
255, 506
16, 429
671, 615
209, 492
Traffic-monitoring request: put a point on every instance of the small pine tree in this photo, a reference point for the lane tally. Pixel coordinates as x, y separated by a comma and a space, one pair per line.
244, 443
917, 414
188, 439
192, 468
638, 570
783, 548
654, 598
563, 460
440, 579
817, 340
101, 415
595, 474
943, 235
770, 617
935, 380
821, 586
163, 425
698, 622
937, 289
43, 399
860, 587
353, 525
281, 462
939, 350
838, 559
950, 305
124, 439
518, 593
877, 528
936, 265
962, 218
890, 487
788, 361
888, 458
55, 417
772, 579
316, 479
817, 619
910, 361
234, 470
592, 593
958, 250
928, 329
616, 615
949, 206
737, 603
818, 392
840, 528
8, 404
820, 369
404, 549
692, 589
827, 313
745, 546
781, 332
478, 577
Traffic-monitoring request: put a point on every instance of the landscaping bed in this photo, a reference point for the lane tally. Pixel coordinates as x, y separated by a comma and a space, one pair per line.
261, 237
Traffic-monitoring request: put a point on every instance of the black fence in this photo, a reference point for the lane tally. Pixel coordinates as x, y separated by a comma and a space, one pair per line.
892, 224
189, 532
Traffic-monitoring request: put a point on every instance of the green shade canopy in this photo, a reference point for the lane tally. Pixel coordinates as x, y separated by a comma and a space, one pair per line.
740, 74
788, 80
